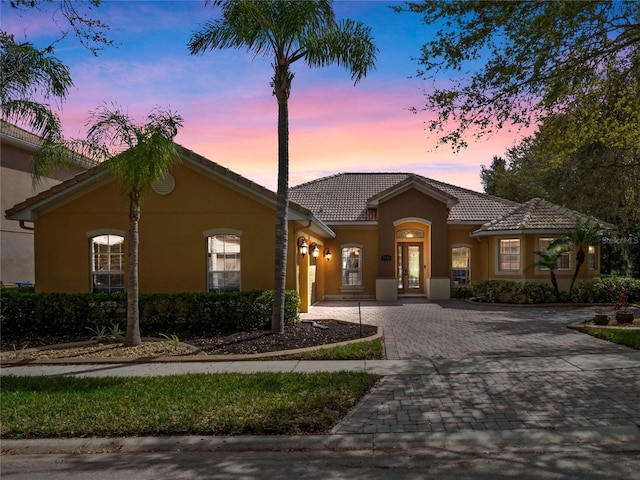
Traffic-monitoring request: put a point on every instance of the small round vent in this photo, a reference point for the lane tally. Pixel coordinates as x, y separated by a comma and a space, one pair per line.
165, 185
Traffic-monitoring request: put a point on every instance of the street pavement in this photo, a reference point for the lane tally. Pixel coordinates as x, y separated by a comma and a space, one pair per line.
456, 374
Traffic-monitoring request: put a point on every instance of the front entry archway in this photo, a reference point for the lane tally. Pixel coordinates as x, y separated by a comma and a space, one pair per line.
410, 261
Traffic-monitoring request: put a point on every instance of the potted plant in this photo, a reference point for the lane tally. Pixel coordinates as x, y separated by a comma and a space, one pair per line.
623, 313
601, 318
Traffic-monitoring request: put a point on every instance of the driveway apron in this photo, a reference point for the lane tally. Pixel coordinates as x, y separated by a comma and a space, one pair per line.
497, 389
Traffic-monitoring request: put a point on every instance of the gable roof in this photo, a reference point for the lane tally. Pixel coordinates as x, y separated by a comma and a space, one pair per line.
535, 216
28, 209
350, 197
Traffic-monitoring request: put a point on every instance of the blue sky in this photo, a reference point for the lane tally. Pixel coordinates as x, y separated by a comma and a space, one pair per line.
225, 98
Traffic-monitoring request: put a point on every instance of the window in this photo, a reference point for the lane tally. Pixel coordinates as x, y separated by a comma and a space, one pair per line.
592, 258
509, 255
223, 252
107, 263
410, 233
352, 267
564, 262
461, 266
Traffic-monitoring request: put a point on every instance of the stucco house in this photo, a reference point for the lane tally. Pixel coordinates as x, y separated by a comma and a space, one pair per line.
16, 240
352, 235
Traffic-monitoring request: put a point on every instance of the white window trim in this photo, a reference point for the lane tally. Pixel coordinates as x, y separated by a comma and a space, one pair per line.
460, 245
569, 253
500, 271
351, 288
216, 232
91, 234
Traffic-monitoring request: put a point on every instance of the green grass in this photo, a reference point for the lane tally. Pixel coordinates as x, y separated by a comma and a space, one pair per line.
197, 404
371, 350
630, 338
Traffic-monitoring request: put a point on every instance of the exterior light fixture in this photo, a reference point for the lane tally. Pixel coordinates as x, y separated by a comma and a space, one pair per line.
327, 254
303, 248
315, 250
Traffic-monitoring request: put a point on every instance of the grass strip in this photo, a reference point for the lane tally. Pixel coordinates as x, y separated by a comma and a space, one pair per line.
194, 404
371, 350
630, 338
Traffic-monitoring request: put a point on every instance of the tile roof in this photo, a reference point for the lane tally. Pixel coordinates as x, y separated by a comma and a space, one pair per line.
13, 133
535, 215
23, 210
344, 198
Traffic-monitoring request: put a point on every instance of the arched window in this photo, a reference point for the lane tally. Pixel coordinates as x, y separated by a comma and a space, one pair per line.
107, 263
223, 262
461, 266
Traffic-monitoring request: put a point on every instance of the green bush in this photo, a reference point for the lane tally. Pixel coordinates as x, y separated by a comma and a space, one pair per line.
495, 290
24, 312
606, 290
506, 291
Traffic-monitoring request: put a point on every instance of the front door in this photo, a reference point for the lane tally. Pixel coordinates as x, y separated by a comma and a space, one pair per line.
410, 268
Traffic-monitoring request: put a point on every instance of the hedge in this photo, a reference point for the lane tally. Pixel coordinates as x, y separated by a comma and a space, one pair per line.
24, 312
604, 290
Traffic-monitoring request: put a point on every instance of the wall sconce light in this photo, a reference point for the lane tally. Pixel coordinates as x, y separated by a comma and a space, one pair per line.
315, 250
303, 248
327, 254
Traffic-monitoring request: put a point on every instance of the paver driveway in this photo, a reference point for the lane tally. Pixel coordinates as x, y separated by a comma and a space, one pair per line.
554, 395
419, 329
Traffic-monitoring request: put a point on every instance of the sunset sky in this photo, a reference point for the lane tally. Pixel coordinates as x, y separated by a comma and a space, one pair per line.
224, 96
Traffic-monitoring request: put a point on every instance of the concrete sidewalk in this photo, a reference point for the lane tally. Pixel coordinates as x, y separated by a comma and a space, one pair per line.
629, 359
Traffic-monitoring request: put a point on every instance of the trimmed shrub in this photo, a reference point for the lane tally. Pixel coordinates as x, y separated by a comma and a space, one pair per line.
506, 291
606, 290
212, 312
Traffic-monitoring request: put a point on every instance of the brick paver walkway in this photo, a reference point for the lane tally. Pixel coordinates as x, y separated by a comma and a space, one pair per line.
416, 329
421, 330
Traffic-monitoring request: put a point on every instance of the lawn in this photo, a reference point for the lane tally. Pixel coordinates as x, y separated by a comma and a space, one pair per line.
628, 337
194, 404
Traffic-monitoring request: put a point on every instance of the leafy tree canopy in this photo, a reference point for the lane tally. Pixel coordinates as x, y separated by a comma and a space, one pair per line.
517, 63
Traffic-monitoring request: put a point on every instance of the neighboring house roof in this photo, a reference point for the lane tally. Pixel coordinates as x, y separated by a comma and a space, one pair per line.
19, 137
351, 197
535, 216
28, 210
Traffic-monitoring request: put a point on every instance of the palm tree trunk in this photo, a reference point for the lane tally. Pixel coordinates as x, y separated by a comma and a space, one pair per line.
579, 261
132, 337
282, 86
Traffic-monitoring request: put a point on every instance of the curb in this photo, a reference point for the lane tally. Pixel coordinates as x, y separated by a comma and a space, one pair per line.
197, 356
485, 440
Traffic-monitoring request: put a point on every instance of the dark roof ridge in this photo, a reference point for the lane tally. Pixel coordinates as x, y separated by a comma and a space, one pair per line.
342, 174
471, 192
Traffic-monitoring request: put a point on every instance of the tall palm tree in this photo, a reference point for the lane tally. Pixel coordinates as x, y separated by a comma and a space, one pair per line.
137, 156
580, 238
287, 31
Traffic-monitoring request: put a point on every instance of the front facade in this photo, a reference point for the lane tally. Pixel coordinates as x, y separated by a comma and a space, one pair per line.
205, 228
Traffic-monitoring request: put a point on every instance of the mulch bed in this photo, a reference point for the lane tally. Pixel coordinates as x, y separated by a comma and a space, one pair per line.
300, 336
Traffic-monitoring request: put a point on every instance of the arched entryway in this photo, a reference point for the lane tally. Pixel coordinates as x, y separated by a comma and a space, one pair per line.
412, 259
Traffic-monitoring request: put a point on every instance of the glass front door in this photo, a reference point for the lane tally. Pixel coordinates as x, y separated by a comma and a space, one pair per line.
410, 268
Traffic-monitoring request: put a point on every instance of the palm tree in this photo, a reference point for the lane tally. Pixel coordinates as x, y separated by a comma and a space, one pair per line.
287, 31
580, 238
24, 72
549, 259
137, 156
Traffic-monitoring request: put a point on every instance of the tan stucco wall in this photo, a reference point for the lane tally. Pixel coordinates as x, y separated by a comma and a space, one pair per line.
528, 272
414, 204
367, 238
17, 262
172, 245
